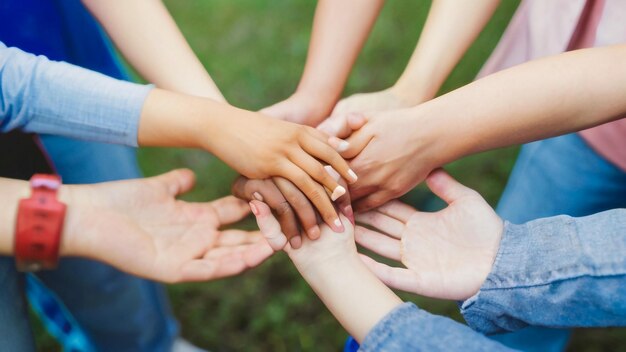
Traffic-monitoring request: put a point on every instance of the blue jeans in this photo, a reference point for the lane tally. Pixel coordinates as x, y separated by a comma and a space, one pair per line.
118, 312
560, 175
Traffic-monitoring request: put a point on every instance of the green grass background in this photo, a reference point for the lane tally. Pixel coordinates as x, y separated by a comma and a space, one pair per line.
255, 51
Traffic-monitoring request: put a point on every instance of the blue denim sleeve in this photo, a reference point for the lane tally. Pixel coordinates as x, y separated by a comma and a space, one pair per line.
555, 272
408, 328
42, 96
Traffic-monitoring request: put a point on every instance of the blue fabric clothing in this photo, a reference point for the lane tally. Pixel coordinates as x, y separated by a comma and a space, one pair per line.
42, 96
552, 272
555, 176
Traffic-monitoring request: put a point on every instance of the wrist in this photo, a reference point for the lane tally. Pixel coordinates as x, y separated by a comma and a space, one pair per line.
12, 192
318, 103
435, 138
318, 267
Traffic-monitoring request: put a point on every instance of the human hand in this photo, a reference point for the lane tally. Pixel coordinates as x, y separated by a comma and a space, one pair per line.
388, 99
299, 108
293, 210
260, 147
330, 247
448, 254
138, 226
392, 153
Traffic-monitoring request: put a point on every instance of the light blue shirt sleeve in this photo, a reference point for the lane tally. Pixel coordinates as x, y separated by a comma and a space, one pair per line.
47, 97
555, 272
408, 328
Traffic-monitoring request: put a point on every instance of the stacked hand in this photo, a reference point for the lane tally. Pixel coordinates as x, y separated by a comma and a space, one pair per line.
294, 212
140, 227
392, 152
447, 254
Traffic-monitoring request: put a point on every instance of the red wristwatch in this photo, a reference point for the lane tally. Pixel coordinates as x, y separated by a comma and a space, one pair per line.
39, 224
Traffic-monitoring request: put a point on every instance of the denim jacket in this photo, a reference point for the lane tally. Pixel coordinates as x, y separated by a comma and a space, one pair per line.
47, 97
553, 272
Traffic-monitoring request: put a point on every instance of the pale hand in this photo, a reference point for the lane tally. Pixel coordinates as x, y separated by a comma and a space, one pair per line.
299, 108
139, 227
447, 254
330, 247
383, 100
391, 153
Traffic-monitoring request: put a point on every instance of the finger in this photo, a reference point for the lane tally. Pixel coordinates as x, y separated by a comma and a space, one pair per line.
378, 243
229, 209
268, 192
398, 210
446, 187
382, 222
342, 125
269, 226
336, 126
177, 181
324, 152
344, 203
357, 142
316, 194
313, 167
237, 237
239, 188
229, 264
301, 205
373, 200
398, 278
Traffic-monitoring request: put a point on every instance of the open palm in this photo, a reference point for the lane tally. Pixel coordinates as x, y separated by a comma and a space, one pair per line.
447, 254
140, 227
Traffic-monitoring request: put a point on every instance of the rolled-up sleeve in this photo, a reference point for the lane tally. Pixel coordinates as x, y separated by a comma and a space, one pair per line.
47, 97
555, 272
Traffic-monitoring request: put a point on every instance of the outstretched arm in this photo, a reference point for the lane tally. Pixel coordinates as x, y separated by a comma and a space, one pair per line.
149, 39
451, 27
574, 268
340, 29
42, 96
395, 150
365, 307
139, 226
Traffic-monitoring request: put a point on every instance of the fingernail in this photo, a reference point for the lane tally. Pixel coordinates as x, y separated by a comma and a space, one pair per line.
295, 242
353, 175
349, 213
257, 196
339, 225
338, 192
314, 232
339, 144
254, 209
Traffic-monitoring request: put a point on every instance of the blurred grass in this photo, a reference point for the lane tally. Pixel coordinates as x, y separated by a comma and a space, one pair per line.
255, 51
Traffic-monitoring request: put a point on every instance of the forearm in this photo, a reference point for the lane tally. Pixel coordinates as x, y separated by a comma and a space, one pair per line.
42, 96
203, 120
536, 100
149, 39
449, 31
575, 268
356, 298
340, 29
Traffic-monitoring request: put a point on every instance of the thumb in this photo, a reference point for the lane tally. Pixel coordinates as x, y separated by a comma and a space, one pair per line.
342, 125
177, 181
356, 143
269, 226
446, 187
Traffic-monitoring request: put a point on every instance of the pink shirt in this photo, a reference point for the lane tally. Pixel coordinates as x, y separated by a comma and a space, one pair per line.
548, 27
